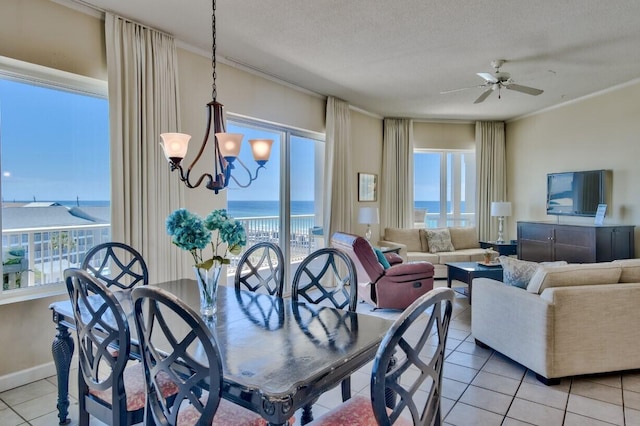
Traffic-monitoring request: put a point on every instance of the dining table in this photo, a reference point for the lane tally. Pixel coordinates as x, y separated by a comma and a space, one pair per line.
278, 355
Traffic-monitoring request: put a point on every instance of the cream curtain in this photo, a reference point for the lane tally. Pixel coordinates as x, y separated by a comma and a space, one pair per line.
396, 194
491, 178
338, 194
143, 102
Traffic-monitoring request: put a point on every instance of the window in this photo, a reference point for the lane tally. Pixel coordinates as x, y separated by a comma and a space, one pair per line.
54, 130
284, 204
444, 188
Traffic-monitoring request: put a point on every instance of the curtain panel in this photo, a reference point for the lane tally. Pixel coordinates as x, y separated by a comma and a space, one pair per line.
396, 193
491, 179
143, 102
338, 194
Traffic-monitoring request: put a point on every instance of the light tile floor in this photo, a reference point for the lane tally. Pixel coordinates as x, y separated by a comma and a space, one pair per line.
480, 387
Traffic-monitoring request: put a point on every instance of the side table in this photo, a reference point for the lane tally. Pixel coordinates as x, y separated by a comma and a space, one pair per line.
467, 271
504, 249
385, 249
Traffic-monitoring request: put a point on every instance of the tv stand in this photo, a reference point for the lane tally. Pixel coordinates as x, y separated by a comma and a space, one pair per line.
548, 242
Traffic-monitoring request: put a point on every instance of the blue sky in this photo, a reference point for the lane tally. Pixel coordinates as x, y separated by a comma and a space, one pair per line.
54, 144
55, 147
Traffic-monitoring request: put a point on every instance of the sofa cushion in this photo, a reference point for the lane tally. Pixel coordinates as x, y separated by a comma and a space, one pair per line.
439, 239
420, 256
381, 258
517, 272
464, 238
573, 275
408, 237
630, 270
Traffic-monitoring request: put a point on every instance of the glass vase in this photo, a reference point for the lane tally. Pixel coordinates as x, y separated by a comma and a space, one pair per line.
208, 289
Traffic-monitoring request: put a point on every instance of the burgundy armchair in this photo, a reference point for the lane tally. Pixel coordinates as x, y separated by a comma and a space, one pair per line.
393, 288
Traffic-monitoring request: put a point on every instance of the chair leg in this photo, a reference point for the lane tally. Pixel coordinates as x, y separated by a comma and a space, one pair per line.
307, 414
83, 390
346, 389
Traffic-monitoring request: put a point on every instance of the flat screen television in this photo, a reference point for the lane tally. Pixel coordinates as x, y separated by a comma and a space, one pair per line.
576, 193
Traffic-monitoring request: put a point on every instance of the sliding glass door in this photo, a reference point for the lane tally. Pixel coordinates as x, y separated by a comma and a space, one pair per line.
284, 203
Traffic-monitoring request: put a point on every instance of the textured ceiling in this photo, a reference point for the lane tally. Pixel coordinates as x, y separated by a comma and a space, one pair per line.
394, 57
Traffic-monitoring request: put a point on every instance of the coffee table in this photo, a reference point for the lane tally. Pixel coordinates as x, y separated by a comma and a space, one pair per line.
467, 271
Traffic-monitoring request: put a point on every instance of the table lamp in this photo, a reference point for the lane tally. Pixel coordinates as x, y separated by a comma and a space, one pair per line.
368, 216
500, 209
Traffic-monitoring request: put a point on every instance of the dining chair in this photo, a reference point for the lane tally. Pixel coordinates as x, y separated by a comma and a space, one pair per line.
189, 355
406, 377
108, 388
261, 268
326, 277
116, 264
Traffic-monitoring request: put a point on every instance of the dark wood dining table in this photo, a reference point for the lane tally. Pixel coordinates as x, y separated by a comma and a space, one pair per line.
277, 355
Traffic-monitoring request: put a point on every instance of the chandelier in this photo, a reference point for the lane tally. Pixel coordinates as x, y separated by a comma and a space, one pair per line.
226, 145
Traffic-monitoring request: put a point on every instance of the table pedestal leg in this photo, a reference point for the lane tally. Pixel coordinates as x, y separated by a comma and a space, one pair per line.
62, 350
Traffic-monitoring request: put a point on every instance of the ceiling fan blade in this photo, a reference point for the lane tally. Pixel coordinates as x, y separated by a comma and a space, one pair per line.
524, 89
462, 88
484, 95
488, 77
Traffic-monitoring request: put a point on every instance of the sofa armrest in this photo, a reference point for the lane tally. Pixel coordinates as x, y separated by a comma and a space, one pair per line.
411, 268
392, 244
595, 327
514, 322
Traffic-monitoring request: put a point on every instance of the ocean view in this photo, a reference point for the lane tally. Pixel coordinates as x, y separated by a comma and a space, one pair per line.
249, 208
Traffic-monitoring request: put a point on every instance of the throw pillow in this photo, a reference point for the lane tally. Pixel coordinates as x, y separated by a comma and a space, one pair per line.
383, 260
464, 238
517, 272
439, 240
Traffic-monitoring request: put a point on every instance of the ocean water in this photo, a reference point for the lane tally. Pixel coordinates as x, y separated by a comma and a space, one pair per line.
249, 208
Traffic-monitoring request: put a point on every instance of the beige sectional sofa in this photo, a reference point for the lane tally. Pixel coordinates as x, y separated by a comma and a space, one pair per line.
569, 320
415, 245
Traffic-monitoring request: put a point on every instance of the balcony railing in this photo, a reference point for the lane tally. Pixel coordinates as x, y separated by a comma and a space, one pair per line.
51, 250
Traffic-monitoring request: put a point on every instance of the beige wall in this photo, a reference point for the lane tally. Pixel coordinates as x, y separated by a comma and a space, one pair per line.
47, 34
438, 135
601, 132
366, 157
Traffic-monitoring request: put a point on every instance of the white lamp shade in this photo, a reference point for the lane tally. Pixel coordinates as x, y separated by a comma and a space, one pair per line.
500, 208
368, 215
175, 145
229, 143
261, 149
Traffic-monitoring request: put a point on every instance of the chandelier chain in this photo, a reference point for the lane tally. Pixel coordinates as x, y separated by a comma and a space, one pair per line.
214, 91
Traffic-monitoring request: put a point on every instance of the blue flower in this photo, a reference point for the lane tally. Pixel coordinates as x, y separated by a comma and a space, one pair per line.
191, 233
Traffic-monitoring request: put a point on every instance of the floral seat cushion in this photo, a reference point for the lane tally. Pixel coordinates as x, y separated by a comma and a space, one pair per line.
357, 411
135, 388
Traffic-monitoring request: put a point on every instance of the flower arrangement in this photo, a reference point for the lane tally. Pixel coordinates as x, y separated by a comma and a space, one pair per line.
190, 232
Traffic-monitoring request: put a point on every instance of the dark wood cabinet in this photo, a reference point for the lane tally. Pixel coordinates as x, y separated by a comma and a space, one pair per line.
546, 242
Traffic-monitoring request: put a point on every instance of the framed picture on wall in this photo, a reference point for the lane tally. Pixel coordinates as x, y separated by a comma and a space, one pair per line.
367, 187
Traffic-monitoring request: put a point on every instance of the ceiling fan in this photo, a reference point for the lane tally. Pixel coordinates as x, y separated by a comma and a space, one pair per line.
497, 81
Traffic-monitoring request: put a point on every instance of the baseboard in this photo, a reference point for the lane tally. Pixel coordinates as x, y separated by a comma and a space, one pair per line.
23, 377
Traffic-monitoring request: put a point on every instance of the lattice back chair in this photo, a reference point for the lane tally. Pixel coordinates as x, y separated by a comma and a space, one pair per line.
116, 264
107, 388
176, 343
327, 277
261, 268
406, 378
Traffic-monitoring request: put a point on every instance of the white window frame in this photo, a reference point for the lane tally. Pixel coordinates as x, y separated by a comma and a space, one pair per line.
25, 72
455, 217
